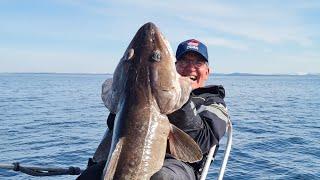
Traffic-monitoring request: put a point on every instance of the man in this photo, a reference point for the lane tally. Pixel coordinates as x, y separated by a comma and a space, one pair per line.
204, 117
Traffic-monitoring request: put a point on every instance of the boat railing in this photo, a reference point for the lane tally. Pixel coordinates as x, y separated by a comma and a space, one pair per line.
211, 154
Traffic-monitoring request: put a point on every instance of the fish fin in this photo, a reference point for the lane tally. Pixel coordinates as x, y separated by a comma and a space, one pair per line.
111, 166
104, 147
185, 85
182, 146
107, 95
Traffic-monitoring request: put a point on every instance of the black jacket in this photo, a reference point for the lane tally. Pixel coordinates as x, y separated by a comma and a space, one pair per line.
204, 117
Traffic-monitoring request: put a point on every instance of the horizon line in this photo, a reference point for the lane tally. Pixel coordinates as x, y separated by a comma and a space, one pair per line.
218, 73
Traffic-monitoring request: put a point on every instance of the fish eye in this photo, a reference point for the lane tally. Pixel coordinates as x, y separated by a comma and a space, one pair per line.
156, 55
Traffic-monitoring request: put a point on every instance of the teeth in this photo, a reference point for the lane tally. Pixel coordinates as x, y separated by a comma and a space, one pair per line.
193, 78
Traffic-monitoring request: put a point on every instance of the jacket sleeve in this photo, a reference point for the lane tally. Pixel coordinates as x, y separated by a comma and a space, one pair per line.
204, 117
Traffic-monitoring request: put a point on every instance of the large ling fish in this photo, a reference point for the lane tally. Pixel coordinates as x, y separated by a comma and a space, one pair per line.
145, 88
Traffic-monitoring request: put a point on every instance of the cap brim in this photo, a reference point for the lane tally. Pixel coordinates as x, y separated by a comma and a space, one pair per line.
192, 50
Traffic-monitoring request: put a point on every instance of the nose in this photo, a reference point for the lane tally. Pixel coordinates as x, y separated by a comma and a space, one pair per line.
190, 66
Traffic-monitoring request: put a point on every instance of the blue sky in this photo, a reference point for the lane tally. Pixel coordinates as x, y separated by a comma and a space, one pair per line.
78, 36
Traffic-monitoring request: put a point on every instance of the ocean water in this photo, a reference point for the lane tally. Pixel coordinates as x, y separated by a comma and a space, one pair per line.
58, 120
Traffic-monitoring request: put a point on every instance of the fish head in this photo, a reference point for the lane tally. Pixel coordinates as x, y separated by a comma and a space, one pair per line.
155, 68
147, 70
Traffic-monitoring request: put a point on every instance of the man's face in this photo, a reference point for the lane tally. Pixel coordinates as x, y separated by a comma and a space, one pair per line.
192, 65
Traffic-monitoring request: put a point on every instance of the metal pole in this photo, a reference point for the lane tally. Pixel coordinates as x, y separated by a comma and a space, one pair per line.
226, 152
41, 171
208, 162
225, 157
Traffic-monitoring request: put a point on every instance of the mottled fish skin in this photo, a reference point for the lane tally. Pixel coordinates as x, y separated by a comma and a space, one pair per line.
145, 88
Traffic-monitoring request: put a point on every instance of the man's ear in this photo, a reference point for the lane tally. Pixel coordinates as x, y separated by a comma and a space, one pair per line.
210, 70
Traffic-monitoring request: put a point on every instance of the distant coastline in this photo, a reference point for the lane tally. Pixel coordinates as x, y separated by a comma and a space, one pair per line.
276, 74
57, 73
215, 74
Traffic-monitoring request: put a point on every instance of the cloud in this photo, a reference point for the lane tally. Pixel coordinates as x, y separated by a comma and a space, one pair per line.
269, 26
89, 36
225, 43
271, 22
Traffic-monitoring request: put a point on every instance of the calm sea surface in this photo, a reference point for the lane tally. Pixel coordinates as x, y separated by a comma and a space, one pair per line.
57, 120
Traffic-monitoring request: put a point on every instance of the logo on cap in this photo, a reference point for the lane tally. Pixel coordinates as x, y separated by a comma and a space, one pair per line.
193, 44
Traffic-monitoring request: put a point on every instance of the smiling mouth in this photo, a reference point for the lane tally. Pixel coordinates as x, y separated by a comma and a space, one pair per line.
193, 78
